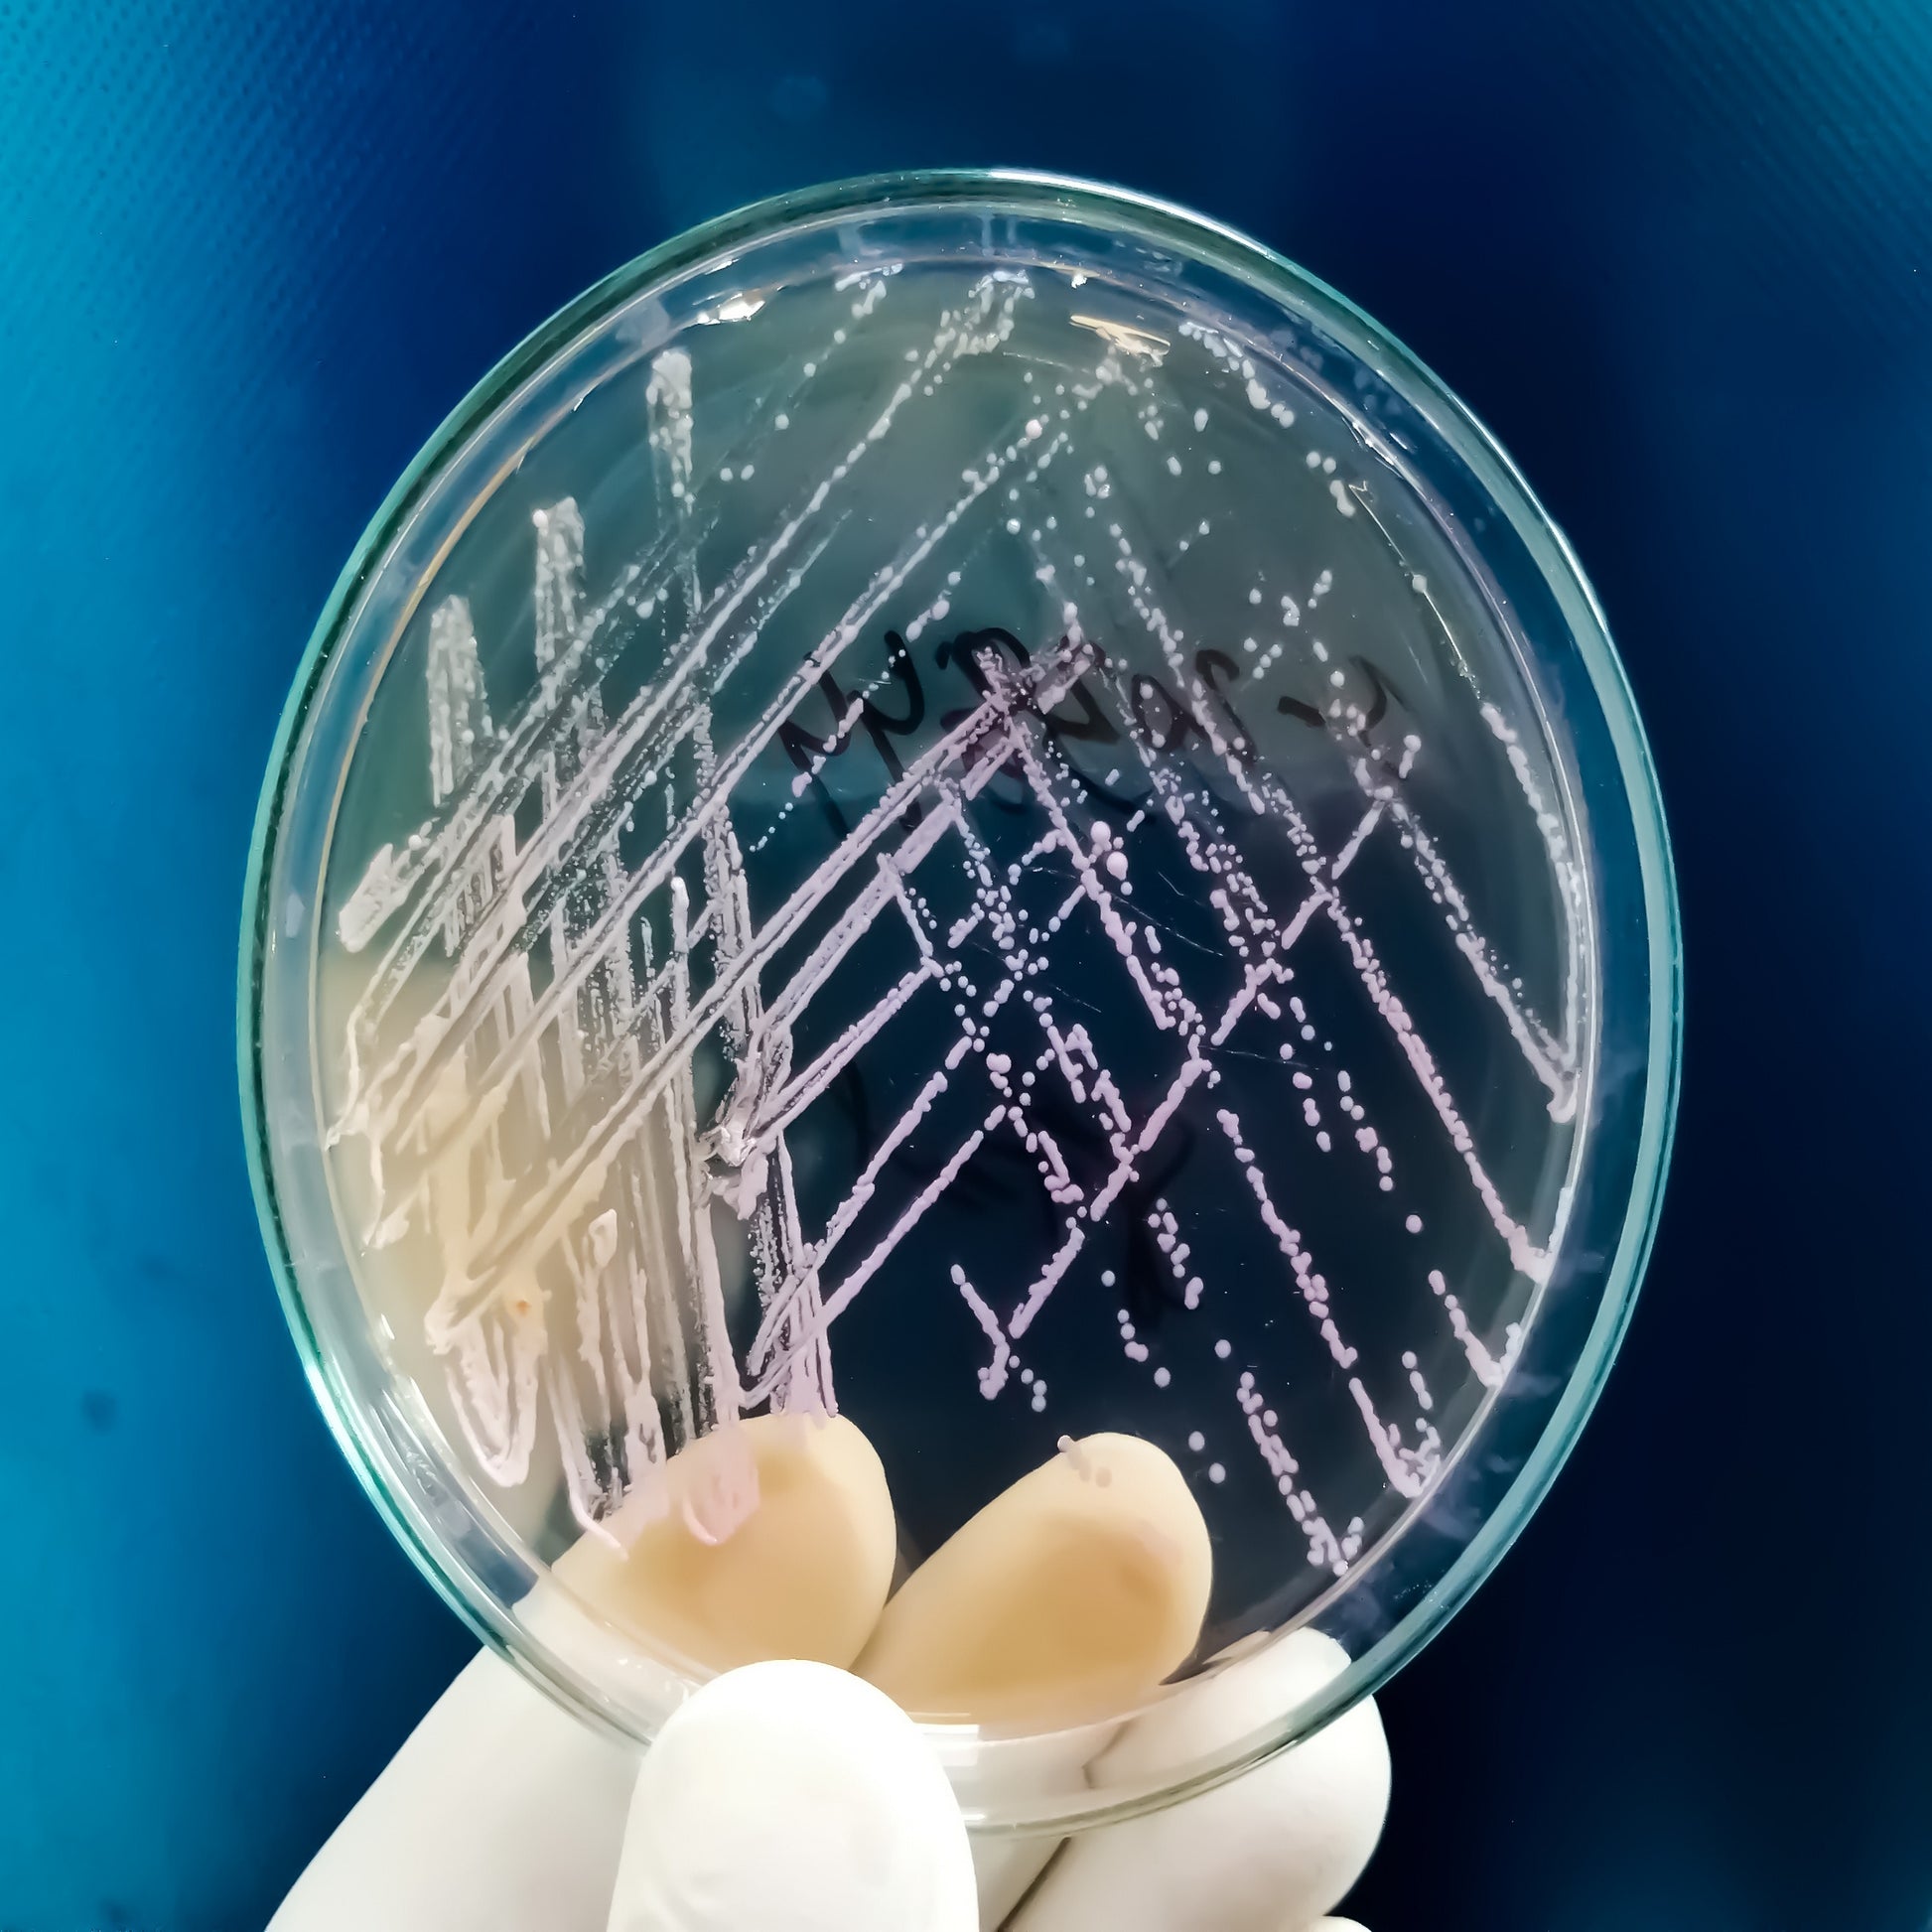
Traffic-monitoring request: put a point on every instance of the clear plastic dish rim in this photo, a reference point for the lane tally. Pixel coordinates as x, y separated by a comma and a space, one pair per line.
1023, 192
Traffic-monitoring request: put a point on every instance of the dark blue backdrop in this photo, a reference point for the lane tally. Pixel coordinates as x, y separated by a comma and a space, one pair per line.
1678, 254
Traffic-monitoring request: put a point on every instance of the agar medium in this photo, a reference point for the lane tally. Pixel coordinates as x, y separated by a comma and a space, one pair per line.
962, 804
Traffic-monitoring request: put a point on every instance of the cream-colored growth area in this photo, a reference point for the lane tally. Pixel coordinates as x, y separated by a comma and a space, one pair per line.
1068, 1598
803, 1576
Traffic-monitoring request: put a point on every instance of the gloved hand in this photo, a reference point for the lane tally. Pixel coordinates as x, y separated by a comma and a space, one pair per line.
793, 1798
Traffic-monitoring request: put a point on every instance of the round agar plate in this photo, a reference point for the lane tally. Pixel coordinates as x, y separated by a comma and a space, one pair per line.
964, 802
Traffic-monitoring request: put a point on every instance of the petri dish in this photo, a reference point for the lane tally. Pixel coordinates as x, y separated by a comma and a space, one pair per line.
964, 799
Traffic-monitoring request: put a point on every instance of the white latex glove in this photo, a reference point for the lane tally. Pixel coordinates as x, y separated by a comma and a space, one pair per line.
502, 1813
1269, 1852
795, 1796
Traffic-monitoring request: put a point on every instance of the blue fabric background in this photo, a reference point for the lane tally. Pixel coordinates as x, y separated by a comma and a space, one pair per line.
1677, 252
